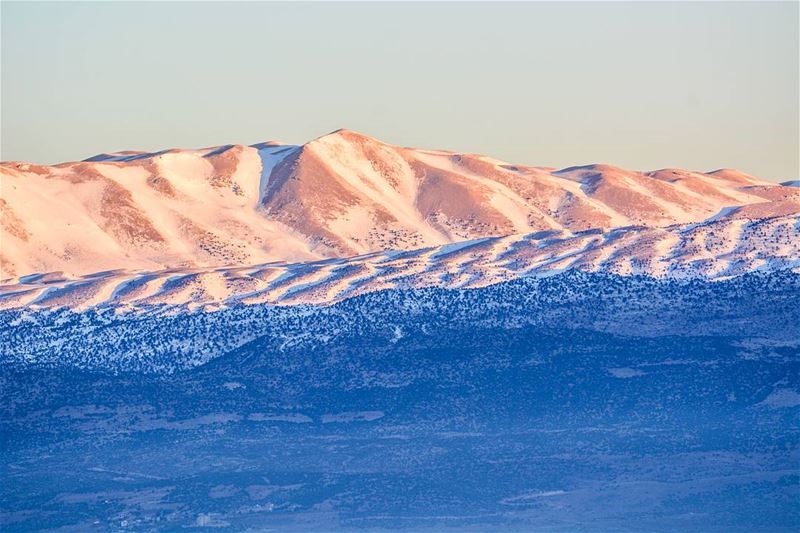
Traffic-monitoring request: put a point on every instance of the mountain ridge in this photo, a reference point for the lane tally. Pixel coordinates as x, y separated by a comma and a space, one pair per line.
712, 250
342, 194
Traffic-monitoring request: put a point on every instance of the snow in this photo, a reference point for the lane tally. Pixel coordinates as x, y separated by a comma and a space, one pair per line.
359, 416
147, 211
293, 418
625, 373
349, 166
271, 156
534, 495
782, 399
502, 199
716, 250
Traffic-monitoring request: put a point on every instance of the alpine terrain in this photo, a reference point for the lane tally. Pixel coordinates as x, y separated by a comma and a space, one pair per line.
349, 335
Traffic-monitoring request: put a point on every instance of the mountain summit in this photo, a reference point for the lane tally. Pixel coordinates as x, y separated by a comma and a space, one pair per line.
340, 195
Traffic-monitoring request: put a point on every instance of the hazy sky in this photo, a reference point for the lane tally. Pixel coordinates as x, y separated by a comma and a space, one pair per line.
640, 85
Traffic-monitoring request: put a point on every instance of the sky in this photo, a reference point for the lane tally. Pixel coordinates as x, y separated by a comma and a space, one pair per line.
642, 85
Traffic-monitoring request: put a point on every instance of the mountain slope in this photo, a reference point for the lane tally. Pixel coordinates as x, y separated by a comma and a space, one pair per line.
712, 250
340, 195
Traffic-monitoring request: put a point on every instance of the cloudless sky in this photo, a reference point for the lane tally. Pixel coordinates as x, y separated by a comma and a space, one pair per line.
641, 85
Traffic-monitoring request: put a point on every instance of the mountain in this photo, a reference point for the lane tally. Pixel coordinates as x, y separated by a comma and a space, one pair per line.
349, 336
343, 194
714, 249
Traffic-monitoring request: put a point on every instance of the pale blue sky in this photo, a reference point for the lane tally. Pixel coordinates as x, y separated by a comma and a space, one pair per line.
640, 85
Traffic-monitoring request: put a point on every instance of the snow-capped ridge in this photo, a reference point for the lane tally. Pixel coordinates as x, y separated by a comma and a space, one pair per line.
721, 247
342, 194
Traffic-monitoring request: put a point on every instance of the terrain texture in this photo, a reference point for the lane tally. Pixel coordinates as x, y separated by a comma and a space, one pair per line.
347, 335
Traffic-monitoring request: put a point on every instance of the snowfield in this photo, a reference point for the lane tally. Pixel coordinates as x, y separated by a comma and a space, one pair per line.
717, 249
341, 195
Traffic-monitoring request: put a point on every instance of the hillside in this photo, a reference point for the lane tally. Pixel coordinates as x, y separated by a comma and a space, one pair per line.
341, 195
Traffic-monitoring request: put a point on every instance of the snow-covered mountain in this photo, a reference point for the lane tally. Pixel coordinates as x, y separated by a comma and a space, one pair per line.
327, 337
341, 195
728, 246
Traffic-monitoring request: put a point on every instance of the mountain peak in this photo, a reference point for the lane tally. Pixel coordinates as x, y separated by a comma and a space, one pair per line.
346, 134
342, 194
731, 174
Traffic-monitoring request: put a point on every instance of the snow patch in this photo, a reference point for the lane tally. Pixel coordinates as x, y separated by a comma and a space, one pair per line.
354, 416
625, 373
781, 399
